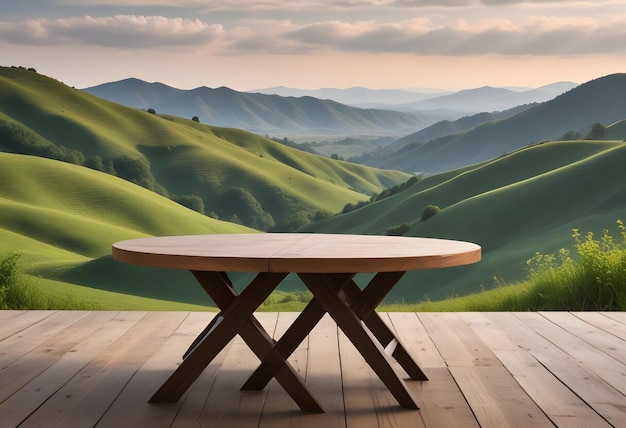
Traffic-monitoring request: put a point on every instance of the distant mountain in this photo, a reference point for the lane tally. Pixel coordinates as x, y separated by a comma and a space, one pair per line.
437, 102
261, 113
600, 100
357, 96
448, 127
489, 99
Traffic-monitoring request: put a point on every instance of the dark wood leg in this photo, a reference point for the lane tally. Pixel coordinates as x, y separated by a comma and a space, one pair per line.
259, 341
364, 304
294, 335
346, 318
237, 318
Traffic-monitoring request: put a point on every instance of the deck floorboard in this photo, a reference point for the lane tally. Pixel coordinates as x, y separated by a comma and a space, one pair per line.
98, 369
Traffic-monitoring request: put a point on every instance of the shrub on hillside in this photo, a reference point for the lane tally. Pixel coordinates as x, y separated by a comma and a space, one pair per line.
398, 230
429, 211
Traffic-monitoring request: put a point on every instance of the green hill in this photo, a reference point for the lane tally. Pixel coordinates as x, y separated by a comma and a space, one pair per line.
514, 206
64, 218
237, 175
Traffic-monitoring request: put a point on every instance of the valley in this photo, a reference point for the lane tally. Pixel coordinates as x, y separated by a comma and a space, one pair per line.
78, 173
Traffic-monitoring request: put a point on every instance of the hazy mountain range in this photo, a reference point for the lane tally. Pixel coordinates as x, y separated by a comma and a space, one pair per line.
319, 114
476, 100
452, 145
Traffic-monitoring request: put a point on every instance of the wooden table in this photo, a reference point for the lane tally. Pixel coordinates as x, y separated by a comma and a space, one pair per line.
327, 265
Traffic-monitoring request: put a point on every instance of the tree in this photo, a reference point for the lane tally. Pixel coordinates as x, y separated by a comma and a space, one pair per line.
193, 202
195, 119
429, 211
571, 135
151, 111
597, 131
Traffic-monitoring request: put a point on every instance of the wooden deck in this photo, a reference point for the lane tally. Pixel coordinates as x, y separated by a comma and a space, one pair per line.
83, 369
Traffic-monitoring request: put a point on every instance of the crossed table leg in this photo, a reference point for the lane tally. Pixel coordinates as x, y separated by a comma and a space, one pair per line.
336, 294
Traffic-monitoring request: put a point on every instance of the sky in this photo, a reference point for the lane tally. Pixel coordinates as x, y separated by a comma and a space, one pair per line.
311, 44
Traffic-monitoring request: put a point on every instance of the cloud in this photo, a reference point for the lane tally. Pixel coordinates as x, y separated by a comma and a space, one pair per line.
538, 35
422, 36
120, 31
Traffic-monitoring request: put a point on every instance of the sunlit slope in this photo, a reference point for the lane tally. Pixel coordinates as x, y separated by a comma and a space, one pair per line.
186, 157
64, 218
514, 206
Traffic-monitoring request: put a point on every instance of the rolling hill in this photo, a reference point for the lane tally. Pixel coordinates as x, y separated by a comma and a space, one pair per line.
513, 206
261, 113
64, 218
600, 100
233, 174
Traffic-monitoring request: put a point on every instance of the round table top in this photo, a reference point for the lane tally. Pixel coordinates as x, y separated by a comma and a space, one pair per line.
295, 252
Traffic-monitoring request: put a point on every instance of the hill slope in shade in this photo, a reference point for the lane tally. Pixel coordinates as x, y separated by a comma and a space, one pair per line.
521, 203
600, 100
238, 175
260, 113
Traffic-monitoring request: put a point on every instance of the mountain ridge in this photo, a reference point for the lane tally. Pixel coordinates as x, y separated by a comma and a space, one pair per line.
599, 100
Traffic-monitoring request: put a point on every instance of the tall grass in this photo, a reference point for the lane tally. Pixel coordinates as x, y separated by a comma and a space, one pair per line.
594, 278
589, 277
19, 291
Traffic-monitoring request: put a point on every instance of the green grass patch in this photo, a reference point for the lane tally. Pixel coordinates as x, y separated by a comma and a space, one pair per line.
589, 277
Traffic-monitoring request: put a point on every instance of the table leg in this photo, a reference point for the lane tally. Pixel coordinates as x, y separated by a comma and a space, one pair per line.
294, 335
219, 287
346, 318
364, 304
235, 314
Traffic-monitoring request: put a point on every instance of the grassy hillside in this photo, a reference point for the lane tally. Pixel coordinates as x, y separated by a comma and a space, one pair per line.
238, 176
64, 218
514, 206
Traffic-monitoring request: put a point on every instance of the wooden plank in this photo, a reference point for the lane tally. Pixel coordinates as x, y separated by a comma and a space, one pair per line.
497, 399
12, 322
226, 405
594, 336
85, 399
607, 324
555, 399
17, 345
131, 407
456, 341
603, 398
27, 399
442, 403
617, 316
323, 374
368, 403
415, 339
37, 360
607, 368
192, 405
279, 410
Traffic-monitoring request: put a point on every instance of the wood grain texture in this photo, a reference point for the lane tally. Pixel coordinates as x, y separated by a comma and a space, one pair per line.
292, 252
498, 369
